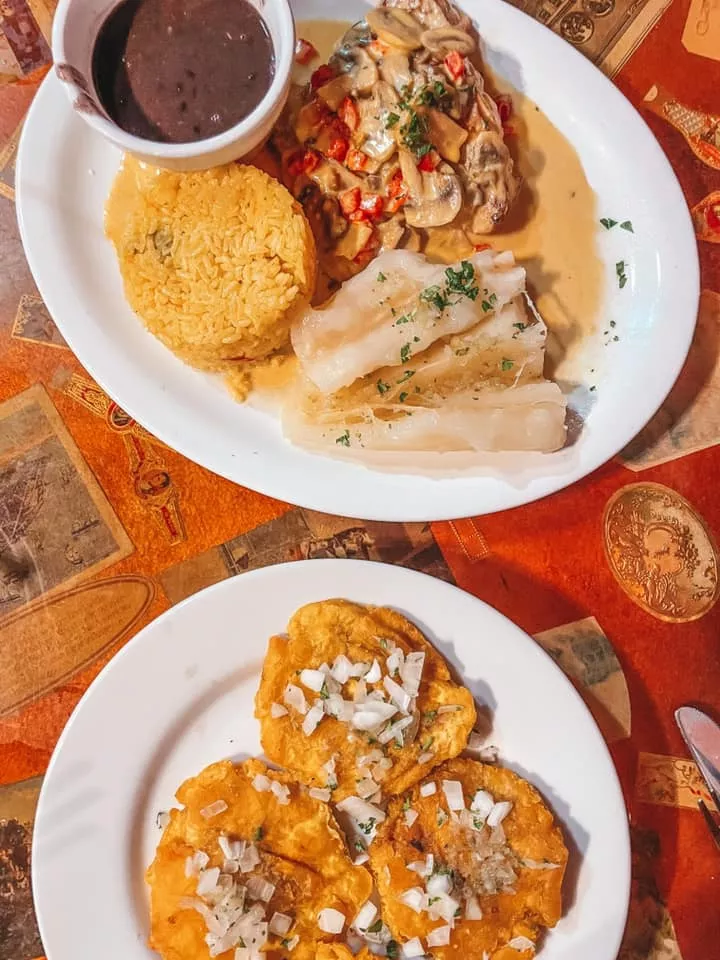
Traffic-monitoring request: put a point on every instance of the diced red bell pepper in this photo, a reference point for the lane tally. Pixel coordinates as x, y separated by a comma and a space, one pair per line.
348, 113
356, 160
396, 186
338, 149
455, 65
295, 165
482, 246
505, 107
350, 201
304, 52
429, 162
311, 160
324, 74
372, 205
359, 215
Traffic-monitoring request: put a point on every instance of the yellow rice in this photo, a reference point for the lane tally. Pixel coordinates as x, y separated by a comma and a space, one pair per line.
213, 262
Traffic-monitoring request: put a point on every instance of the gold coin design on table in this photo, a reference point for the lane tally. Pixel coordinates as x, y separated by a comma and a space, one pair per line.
661, 552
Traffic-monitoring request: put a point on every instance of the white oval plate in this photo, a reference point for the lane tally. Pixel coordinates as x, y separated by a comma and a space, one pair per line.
64, 173
180, 696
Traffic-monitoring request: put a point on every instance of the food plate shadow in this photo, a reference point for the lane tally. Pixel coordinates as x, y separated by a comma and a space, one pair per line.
188, 719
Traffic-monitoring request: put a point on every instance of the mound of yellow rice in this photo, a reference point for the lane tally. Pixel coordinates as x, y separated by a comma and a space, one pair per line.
213, 262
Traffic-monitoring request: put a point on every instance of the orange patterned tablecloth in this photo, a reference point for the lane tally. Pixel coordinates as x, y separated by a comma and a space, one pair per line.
102, 527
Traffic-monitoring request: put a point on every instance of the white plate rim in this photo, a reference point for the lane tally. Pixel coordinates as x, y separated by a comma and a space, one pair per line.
330, 486
349, 571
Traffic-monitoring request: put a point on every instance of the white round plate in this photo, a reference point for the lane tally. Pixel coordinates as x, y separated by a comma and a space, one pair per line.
180, 696
64, 173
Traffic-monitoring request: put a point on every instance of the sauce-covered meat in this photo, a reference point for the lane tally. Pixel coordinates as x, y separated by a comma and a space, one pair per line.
177, 72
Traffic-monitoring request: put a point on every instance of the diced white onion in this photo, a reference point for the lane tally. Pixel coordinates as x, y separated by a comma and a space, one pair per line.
413, 898
293, 942
411, 672
410, 817
453, 794
429, 864
374, 674
359, 669
250, 858
475, 742
394, 730
277, 710
521, 943
207, 881
438, 884
413, 948
341, 709
366, 788
426, 757
393, 662
372, 714
213, 809
329, 768
261, 783
295, 698
279, 924
398, 694
313, 718
231, 849
472, 909
197, 862
489, 754
482, 803
374, 756
365, 917
260, 889
498, 813
320, 793
340, 669
360, 859
439, 937
313, 679
360, 693
331, 921
360, 810
281, 792
428, 789
448, 708
443, 907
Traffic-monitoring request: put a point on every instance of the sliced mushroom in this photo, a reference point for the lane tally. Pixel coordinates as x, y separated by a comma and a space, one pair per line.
445, 135
443, 40
334, 91
410, 172
356, 239
396, 27
395, 68
439, 201
364, 71
378, 140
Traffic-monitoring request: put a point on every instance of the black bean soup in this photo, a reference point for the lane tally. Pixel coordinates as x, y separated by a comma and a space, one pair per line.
177, 71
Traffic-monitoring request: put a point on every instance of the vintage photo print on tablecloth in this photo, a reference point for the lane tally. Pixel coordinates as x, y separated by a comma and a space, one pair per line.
306, 535
56, 525
19, 936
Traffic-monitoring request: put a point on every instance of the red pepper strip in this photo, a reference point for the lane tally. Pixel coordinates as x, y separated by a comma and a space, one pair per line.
350, 201
349, 114
338, 149
304, 52
372, 204
396, 185
505, 107
429, 162
455, 65
356, 160
321, 76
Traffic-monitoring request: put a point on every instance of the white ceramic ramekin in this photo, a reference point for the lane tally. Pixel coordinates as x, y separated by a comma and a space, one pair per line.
75, 29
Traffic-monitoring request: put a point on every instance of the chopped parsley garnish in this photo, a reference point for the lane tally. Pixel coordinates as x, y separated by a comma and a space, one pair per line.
627, 225
432, 900
367, 826
405, 318
620, 271
332, 784
442, 818
344, 439
382, 387
403, 397
433, 94
375, 927
462, 281
406, 376
429, 716
259, 834
381, 278
406, 804
435, 296
427, 743
391, 120
414, 135
458, 912
405, 353
391, 949
521, 326
607, 223
324, 692
359, 845
462, 351
477, 823
507, 364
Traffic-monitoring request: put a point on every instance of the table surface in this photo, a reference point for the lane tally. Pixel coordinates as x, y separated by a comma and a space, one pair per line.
102, 527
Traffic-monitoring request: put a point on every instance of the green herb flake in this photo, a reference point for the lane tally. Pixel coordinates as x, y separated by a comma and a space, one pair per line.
259, 834
405, 353
406, 376
462, 281
620, 272
382, 387
477, 823
406, 804
416, 339
381, 278
391, 949
405, 318
507, 364
627, 225
607, 223
462, 351
403, 397
428, 742
429, 716
442, 818
367, 826
324, 692
343, 439
414, 135
434, 295
375, 927
521, 326
391, 120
